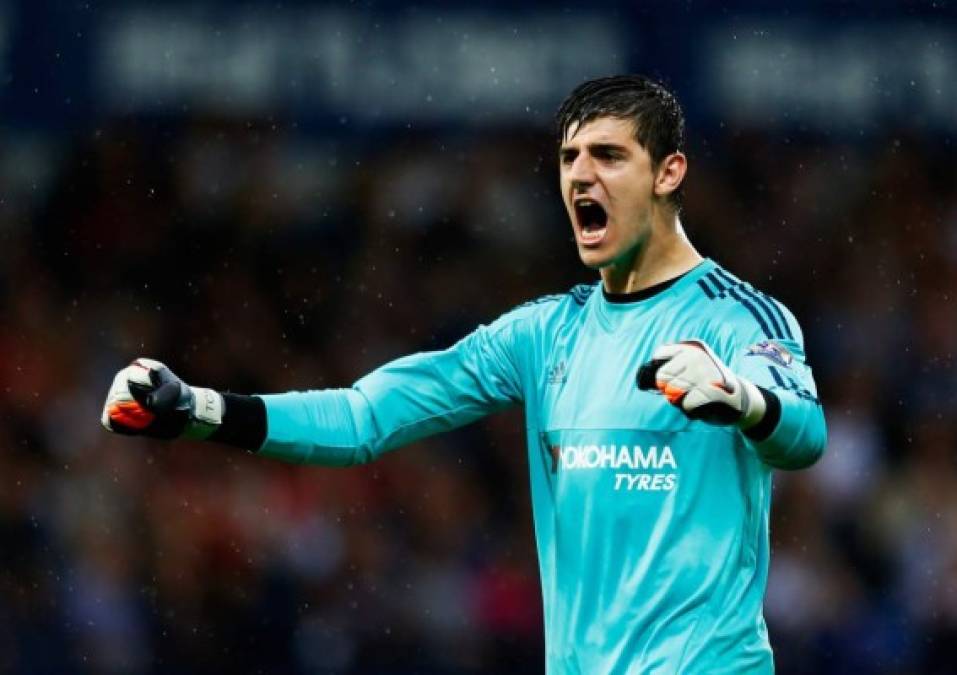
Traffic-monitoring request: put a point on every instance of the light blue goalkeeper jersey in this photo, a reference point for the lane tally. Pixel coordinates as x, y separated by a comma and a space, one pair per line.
652, 529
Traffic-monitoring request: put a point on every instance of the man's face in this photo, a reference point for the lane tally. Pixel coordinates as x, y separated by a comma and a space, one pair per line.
607, 183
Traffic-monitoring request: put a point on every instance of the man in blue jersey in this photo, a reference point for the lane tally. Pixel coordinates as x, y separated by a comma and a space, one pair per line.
657, 402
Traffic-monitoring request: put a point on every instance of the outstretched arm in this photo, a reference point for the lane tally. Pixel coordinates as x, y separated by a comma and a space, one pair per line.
408, 399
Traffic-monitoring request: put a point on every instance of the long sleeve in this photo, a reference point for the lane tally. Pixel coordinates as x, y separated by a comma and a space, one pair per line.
405, 400
799, 434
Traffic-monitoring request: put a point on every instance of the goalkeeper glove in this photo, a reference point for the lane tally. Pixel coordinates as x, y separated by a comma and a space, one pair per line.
147, 399
695, 380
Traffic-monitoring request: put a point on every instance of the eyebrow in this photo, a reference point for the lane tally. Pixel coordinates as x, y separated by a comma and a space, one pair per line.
595, 148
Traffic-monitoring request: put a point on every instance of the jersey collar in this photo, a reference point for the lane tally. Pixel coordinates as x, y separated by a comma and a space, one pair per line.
613, 308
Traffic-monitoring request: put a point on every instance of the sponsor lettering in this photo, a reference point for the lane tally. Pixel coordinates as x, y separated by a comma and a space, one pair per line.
648, 467
646, 481
616, 457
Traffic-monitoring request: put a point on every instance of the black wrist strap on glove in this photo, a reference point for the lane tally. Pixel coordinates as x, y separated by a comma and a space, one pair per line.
244, 422
768, 423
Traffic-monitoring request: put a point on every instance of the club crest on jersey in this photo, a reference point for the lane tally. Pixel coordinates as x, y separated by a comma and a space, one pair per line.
557, 374
772, 350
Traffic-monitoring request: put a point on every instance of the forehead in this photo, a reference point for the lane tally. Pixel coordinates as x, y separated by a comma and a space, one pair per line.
613, 130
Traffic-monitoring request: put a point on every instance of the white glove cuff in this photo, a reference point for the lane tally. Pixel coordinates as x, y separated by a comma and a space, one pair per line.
753, 404
207, 413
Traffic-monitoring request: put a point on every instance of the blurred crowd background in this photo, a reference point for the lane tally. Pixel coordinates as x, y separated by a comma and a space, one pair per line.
167, 190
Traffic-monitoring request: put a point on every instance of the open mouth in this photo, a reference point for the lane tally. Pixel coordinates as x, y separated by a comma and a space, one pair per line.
592, 220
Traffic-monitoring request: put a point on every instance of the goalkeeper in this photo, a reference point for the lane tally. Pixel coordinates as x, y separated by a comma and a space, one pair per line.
658, 401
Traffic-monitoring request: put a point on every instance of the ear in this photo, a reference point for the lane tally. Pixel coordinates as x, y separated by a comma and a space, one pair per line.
671, 171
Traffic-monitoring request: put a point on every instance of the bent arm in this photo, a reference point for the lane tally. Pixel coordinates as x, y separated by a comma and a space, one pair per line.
793, 433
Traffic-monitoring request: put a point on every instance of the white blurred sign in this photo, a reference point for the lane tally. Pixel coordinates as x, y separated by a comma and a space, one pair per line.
775, 73
451, 66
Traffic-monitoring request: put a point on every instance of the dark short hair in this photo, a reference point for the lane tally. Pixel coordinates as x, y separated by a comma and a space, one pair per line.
655, 112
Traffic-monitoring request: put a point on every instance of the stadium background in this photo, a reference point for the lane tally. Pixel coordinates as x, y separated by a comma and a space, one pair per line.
272, 196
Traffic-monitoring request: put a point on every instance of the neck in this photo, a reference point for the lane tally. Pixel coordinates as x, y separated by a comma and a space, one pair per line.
666, 254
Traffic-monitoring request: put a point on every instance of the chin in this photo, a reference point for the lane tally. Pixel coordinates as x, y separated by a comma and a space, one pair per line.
594, 260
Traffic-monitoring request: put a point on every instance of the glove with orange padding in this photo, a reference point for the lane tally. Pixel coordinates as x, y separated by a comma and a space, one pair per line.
147, 399
695, 380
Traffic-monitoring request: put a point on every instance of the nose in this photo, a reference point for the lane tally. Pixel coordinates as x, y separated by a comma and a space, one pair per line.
581, 173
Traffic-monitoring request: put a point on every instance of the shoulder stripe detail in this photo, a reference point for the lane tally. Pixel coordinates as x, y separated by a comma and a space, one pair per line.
717, 283
760, 302
758, 299
582, 292
768, 310
707, 291
726, 290
789, 384
771, 318
769, 304
579, 294
539, 301
718, 287
777, 377
754, 312
776, 308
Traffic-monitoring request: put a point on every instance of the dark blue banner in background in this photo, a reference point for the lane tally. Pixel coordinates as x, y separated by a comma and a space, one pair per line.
846, 70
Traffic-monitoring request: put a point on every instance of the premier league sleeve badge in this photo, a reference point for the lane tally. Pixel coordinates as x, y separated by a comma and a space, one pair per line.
773, 351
